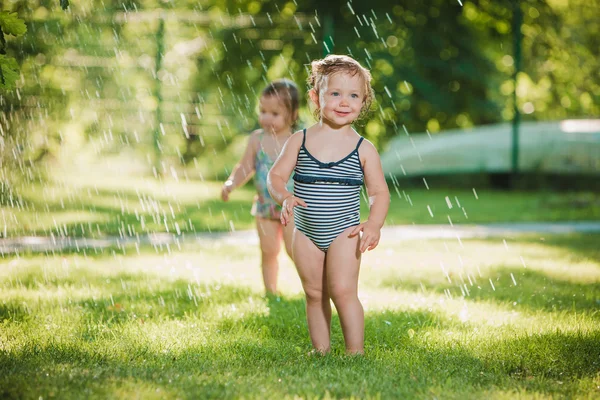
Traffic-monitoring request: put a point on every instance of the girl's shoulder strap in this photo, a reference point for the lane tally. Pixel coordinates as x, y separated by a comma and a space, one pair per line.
303, 137
359, 142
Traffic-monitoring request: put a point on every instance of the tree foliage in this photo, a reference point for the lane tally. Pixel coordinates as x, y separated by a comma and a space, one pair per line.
436, 65
10, 24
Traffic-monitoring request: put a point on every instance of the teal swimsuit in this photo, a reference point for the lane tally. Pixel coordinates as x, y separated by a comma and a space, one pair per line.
264, 206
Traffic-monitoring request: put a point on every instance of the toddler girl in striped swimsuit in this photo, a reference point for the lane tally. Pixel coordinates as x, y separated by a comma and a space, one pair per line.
331, 162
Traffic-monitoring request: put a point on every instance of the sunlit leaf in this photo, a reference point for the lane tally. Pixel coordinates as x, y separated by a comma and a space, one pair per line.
10, 72
12, 24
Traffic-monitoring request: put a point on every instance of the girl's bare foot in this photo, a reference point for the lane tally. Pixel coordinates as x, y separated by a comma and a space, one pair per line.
317, 352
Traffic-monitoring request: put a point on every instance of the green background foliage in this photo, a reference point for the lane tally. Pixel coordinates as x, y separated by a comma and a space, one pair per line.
99, 81
10, 24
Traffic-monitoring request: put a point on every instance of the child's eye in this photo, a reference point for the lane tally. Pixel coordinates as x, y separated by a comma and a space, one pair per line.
354, 95
335, 94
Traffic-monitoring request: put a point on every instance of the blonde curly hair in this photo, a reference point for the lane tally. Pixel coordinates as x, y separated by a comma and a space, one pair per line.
333, 64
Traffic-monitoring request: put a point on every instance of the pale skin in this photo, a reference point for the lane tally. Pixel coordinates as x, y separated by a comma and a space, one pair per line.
277, 126
333, 275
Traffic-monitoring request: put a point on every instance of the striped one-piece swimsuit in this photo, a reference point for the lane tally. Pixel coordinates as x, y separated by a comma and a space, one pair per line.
331, 192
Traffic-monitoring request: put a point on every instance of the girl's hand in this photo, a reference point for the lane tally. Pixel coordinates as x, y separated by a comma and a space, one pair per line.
287, 208
370, 237
227, 188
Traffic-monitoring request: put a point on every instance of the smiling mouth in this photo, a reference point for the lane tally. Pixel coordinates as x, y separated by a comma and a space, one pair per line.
342, 113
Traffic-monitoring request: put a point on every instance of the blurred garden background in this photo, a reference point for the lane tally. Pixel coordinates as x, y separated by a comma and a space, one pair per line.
103, 103
120, 119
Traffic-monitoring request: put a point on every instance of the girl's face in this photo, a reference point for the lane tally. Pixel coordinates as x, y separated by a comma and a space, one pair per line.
341, 98
273, 115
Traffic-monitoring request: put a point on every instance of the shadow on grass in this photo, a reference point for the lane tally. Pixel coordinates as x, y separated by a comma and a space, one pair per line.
265, 356
14, 312
129, 299
121, 217
403, 345
174, 300
534, 290
79, 250
264, 353
579, 246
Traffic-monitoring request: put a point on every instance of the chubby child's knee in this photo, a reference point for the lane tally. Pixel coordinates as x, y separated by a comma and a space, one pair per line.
342, 294
269, 248
313, 295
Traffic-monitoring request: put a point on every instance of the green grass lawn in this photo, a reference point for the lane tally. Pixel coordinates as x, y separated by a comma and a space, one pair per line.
96, 206
485, 319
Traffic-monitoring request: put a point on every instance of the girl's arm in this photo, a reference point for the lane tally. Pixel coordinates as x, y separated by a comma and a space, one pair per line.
379, 198
280, 174
244, 169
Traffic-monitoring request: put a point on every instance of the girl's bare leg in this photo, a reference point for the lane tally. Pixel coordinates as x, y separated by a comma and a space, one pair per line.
270, 235
288, 237
310, 263
343, 266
